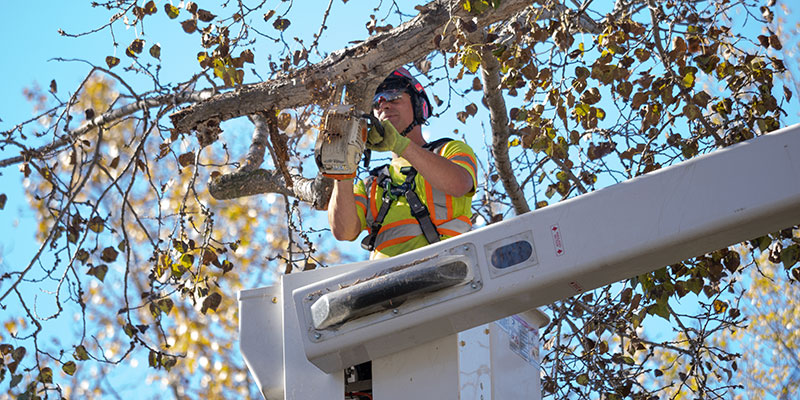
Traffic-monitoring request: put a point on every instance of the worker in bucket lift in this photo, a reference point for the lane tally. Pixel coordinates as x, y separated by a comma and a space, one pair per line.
423, 196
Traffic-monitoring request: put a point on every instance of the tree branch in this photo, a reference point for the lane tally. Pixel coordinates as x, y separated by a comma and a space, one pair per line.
241, 183
372, 59
498, 116
108, 117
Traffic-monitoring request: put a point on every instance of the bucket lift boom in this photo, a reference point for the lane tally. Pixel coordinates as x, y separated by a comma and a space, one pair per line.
314, 324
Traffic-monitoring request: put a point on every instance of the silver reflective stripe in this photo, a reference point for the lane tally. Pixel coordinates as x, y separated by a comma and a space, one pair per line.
364, 202
370, 199
410, 229
465, 159
439, 202
455, 225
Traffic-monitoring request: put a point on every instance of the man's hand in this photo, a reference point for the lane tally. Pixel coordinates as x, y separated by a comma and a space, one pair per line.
390, 141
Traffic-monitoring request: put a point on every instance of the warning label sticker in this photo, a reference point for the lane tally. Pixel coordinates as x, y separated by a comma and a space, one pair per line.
523, 338
558, 242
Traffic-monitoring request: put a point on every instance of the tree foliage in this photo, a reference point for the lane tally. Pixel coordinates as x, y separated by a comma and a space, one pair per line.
144, 187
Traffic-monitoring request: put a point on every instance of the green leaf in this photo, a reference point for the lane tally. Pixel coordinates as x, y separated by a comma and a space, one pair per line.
180, 246
688, 80
695, 285
177, 270
168, 362
80, 353
155, 51
96, 225
15, 380
187, 260
477, 6
581, 109
691, 112
154, 359
165, 305
764, 242
155, 312
109, 254
628, 360
172, 11
724, 69
790, 255
659, 309
582, 379
551, 190
98, 272
18, 353
69, 368
46, 375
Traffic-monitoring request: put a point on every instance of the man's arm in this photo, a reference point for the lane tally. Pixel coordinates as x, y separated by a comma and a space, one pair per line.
441, 173
342, 213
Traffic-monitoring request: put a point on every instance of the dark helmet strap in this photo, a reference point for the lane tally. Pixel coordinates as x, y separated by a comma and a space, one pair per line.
409, 128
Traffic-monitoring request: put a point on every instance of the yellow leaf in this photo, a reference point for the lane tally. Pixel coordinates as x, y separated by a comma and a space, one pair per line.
471, 61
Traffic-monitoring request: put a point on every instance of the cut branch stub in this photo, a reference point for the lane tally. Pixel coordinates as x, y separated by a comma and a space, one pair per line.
316, 192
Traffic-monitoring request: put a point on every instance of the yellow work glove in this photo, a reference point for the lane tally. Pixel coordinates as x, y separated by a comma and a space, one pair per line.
391, 140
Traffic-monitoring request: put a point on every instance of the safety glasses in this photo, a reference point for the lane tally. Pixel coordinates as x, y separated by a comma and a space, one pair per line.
386, 95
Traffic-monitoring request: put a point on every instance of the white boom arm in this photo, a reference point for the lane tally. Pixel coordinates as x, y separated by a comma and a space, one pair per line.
349, 314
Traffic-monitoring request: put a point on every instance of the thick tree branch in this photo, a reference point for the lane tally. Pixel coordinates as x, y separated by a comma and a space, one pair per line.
255, 155
372, 59
315, 191
498, 115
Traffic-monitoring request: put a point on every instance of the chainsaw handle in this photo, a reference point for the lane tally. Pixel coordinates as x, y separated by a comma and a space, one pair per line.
373, 121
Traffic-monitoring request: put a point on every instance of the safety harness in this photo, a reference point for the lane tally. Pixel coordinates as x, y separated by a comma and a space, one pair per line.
392, 192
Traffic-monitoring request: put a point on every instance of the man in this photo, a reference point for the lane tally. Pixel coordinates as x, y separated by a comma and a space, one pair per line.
441, 177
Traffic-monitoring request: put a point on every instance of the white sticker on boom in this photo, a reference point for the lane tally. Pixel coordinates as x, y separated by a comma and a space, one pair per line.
558, 242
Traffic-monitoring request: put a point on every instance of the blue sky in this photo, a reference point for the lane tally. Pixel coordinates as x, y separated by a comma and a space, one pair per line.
31, 42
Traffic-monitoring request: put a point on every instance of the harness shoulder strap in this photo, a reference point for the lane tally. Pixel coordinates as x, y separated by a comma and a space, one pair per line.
436, 144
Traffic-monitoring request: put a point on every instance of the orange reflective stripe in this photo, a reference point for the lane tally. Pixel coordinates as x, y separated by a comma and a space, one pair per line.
449, 202
373, 198
466, 159
449, 232
392, 242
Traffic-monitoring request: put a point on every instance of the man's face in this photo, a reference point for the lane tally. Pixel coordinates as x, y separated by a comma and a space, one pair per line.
397, 110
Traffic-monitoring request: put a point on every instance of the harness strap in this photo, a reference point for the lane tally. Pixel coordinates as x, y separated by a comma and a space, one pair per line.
390, 194
420, 212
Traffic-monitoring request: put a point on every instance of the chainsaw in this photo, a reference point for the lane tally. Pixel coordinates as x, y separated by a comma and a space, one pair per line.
342, 141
